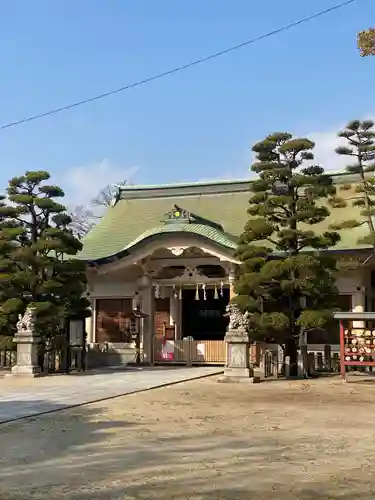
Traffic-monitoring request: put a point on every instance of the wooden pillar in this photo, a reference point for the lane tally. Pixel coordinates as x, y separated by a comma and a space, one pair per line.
179, 332
342, 350
231, 278
175, 305
148, 306
89, 324
93, 320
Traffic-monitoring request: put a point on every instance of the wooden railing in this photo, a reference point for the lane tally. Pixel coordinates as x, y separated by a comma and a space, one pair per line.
208, 351
189, 352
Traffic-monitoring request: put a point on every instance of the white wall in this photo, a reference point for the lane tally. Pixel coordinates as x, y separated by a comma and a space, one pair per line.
350, 282
101, 290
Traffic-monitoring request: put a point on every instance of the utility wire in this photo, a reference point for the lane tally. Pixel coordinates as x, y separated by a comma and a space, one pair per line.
179, 68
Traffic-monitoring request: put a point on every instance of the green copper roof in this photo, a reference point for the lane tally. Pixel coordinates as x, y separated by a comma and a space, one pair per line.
198, 229
219, 208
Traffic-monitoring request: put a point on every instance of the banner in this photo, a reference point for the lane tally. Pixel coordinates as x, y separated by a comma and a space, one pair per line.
167, 351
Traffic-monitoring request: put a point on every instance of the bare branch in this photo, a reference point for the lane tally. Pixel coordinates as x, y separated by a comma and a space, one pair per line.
83, 220
106, 195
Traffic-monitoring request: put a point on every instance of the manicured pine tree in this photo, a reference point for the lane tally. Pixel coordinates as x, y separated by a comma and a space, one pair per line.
285, 280
9, 291
360, 150
37, 250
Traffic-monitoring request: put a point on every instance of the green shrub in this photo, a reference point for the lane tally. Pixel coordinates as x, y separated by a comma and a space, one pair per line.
6, 342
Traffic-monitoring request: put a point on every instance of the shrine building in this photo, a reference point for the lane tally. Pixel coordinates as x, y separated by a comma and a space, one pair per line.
170, 252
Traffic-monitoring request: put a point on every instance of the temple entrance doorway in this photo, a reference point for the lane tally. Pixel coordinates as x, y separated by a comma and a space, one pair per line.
203, 313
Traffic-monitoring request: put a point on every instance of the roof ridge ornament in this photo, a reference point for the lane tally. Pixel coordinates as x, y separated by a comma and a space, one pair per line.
178, 214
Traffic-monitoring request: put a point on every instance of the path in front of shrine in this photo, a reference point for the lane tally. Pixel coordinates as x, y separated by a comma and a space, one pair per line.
30, 398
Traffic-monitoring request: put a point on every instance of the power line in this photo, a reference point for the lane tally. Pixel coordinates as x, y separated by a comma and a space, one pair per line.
179, 68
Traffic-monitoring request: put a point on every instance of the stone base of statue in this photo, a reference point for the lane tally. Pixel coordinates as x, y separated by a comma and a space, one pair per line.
237, 368
27, 340
27, 364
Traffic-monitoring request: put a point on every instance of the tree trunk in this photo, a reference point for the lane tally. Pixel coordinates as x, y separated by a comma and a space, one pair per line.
366, 196
291, 351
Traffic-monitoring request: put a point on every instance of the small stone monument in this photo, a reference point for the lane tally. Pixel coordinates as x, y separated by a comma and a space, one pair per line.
27, 340
237, 368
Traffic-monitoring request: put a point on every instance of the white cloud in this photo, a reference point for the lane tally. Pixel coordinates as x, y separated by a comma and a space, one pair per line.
230, 175
324, 151
84, 183
326, 141
325, 144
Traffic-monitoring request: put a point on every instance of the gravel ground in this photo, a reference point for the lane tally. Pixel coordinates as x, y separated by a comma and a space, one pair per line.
22, 397
200, 440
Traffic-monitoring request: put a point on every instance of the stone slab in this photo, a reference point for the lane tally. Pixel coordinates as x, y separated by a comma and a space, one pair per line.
24, 375
44, 395
236, 380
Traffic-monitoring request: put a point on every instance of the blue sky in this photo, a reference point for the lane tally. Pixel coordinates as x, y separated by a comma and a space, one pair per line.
197, 124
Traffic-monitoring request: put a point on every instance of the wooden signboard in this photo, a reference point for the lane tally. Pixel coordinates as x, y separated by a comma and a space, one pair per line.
76, 332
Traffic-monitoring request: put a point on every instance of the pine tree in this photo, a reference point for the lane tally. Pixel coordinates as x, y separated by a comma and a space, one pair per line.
360, 137
285, 280
37, 249
8, 288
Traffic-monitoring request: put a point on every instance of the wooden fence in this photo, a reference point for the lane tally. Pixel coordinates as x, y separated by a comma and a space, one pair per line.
323, 361
189, 352
7, 358
72, 358
63, 359
267, 357
318, 359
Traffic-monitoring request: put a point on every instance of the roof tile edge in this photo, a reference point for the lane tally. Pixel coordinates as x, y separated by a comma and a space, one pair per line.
183, 189
205, 187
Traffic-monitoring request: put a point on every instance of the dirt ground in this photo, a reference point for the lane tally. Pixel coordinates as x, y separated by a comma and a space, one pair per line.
200, 440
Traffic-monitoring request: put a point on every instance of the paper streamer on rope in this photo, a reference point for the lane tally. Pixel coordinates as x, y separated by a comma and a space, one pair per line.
204, 292
196, 293
180, 293
222, 289
216, 294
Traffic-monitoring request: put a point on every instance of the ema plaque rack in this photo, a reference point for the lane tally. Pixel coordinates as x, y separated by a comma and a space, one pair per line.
357, 345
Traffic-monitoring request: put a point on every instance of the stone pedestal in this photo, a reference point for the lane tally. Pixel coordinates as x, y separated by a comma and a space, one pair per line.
237, 368
27, 356
27, 340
